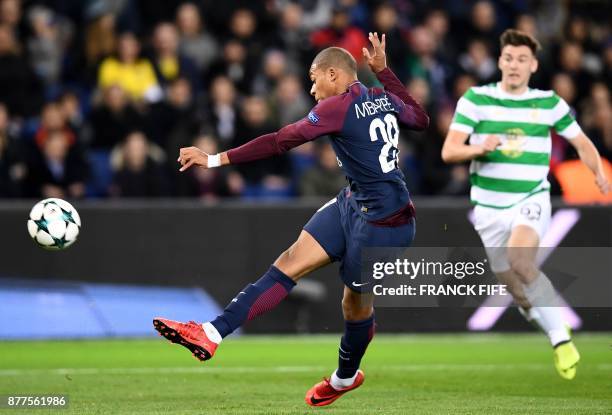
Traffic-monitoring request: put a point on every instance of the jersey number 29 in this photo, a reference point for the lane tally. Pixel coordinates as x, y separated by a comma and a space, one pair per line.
389, 131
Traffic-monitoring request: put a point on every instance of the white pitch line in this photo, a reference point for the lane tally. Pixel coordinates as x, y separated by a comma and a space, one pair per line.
279, 369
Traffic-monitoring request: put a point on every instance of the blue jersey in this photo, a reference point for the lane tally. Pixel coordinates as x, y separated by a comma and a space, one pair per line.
364, 128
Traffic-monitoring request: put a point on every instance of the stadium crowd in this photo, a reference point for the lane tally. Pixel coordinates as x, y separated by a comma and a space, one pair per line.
97, 96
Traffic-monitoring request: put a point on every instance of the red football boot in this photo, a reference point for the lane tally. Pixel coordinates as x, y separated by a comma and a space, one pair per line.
323, 393
191, 335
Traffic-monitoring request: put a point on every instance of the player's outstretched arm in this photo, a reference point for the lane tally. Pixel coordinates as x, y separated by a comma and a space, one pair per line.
456, 150
411, 114
590, 157
325, 118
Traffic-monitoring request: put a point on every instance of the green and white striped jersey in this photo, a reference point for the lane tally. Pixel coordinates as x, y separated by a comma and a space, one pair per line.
519, 167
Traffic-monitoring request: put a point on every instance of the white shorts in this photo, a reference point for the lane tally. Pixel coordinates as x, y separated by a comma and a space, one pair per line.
495, 225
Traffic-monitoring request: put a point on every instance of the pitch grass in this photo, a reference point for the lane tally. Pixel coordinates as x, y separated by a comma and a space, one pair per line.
420, 374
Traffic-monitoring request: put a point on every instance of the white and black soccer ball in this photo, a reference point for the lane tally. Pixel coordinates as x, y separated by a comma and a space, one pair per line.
54, 224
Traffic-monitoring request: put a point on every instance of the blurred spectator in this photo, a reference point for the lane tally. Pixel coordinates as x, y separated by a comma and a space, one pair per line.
138, 168
209, 184
440, 178
244, 25
437, 22
315, 14
194, 42
255, 121
341, 33
607, 62
113, 119
168, 63
12, 166
564, 86
10, 15
174, 121
291, 35
463, 82
424, 63
234, 65
128, 70
571, 62
290, 102
420, 91
100, 39
57, 169
53, 119
483, 23
47, 45
72, 112
597, 120
479, 62
17, 82
325, 179
222, 111
385, 20
274, 68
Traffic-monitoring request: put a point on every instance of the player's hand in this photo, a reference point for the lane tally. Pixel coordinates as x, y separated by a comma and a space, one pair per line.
489, 144
603, 184
190, 156
378, 59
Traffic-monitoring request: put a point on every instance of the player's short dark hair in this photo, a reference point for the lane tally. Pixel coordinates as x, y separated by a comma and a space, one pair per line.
515, 37
336, 57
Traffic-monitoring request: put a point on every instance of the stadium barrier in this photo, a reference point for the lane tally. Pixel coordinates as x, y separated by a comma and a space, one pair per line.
220, 248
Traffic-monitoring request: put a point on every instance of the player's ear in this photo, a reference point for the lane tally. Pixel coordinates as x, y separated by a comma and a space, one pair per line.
332, 74
534, 65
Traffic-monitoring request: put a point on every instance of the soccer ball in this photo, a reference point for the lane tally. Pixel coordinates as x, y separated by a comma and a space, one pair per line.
54, 224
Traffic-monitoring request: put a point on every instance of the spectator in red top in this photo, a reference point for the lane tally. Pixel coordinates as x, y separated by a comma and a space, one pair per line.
52, 119
341, 33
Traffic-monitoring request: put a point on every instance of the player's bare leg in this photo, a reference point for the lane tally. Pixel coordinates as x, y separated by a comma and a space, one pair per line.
358, 311
303, 257
536, 296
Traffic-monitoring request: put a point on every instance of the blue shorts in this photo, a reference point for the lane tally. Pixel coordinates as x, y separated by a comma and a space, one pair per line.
343, 232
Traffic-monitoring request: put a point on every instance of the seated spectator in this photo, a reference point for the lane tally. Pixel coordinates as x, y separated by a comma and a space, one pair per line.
113, 119
194, 42
325, 179
255, 120
274, 68
131, 72
209, 184
479, 62
18, 86
169, 64
341, 33
47, 45
138, 169
290, 103
53, 119
57, 168
174, 121
440, 178
222, 112
72, 111
12, 166
234, 65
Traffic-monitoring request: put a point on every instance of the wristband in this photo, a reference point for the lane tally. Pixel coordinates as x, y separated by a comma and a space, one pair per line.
214, 160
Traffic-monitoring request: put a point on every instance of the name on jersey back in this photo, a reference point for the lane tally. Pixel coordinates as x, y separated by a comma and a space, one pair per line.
369, 108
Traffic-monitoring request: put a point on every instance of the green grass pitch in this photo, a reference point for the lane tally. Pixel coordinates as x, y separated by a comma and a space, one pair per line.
416, 374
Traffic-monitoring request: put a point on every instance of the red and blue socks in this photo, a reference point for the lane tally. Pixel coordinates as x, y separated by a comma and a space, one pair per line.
254, 299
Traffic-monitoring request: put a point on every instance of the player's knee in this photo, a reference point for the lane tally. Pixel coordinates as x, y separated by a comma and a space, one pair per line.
287, 264
522, 266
